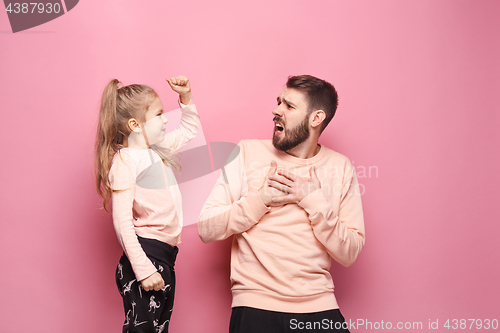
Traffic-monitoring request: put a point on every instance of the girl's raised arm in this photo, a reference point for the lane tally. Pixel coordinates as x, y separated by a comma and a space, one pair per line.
190, 121
180, 84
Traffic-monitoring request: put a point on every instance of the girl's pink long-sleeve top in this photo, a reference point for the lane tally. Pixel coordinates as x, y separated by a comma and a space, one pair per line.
281, 256
146, 199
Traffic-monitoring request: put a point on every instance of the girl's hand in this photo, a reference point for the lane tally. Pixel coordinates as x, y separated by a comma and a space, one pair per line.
180, 84
154, 281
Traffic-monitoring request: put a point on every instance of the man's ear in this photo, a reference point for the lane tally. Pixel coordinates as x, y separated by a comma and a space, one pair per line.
133, 125
316, 118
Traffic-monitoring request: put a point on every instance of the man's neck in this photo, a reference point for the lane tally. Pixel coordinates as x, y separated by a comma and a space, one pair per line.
306, 149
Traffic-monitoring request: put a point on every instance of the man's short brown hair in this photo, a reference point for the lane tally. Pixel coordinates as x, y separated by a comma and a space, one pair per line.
321, 95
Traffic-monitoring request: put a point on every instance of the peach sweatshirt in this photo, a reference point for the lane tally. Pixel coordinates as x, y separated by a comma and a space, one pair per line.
280, 257
149, 204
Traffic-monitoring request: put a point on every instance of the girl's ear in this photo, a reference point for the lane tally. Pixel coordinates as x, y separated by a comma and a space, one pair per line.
133, 125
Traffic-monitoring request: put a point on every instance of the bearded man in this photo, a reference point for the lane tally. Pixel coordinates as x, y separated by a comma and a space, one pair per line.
292, 205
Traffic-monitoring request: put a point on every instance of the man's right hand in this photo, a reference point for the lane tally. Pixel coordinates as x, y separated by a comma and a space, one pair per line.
266, 192
153, 282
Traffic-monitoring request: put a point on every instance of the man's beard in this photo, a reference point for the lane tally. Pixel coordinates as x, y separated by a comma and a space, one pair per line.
292, 137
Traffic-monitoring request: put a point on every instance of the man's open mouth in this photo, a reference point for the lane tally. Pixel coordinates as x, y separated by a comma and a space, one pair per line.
278, 128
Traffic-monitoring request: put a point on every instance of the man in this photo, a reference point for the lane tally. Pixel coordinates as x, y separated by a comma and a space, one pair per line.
291, 204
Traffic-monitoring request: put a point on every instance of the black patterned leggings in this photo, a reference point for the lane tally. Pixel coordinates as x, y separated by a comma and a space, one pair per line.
148, 311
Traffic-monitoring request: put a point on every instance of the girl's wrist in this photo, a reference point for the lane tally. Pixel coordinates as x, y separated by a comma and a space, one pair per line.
186, 98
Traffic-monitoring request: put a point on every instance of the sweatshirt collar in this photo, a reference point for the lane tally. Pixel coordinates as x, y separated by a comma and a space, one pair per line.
301, 161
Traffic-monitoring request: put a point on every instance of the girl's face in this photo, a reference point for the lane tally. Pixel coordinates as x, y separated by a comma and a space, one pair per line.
155, 122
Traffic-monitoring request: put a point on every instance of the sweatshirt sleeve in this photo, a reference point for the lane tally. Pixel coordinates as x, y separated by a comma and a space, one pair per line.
122, 176
189, 127
231, 208
342, 233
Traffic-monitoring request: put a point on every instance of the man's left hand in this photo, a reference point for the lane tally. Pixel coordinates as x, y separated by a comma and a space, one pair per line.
296, 187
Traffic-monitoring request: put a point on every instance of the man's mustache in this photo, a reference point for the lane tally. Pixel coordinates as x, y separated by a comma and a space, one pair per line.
279, 121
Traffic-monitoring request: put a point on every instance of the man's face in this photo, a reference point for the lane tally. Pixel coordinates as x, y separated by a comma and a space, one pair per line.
291, 121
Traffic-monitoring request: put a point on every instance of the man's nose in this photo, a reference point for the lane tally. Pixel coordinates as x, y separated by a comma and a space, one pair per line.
277, 111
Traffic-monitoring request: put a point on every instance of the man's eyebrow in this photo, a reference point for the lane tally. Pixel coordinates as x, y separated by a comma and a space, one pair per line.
289, 103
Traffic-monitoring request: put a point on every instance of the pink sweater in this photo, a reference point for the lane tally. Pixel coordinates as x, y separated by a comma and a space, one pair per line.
148, 203
280, 258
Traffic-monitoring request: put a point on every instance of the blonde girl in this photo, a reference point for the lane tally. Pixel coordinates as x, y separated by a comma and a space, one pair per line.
133, 166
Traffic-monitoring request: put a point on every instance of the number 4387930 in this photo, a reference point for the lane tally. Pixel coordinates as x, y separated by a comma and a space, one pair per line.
33, 8
478, 324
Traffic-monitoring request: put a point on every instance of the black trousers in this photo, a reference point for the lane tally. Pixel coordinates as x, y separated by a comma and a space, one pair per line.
250, 320
148, 311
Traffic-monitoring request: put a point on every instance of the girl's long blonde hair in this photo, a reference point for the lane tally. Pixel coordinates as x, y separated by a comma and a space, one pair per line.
118, 105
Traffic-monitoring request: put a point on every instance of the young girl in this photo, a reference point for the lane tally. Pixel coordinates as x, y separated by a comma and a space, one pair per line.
133, 165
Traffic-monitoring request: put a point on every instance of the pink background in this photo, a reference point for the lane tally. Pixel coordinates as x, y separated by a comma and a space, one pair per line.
418, 82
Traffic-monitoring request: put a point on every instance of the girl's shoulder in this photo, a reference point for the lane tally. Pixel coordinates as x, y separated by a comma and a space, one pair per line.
135, 159
123, 170
128, 154
123, 159
122, 155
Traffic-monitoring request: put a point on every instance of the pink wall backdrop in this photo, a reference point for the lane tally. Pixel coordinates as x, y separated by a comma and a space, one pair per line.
419, 116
